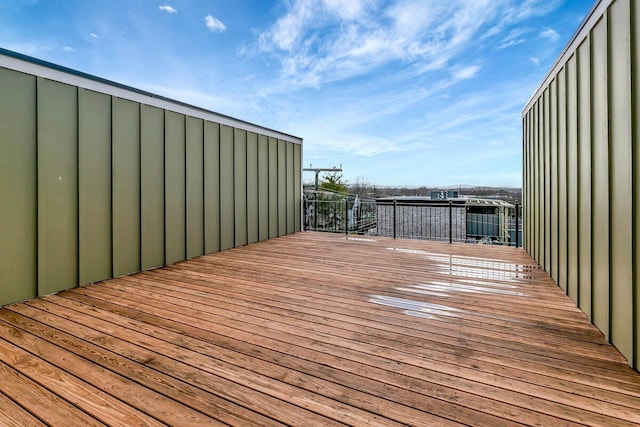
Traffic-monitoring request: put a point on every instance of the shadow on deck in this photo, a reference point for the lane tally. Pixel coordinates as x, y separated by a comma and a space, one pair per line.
316, 329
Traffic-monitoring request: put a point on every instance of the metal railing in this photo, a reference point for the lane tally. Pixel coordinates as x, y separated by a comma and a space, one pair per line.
448, 220
339, 213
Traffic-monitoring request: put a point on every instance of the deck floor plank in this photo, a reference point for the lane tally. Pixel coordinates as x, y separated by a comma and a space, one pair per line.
447, 381
321, 320
13, 415
315, 329
35, 321
310, 377
41, 404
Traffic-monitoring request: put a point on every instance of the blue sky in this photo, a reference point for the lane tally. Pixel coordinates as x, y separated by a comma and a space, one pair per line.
400, 92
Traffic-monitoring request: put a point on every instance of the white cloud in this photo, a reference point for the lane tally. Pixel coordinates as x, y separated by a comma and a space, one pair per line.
536, 61
214, 24
167, 8
315, 44
550, 34
514, 38
68, 48
348, 9
94, 35
25, 48
466, 72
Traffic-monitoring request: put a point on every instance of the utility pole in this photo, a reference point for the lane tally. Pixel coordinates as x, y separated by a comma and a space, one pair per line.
318, 170
315, 204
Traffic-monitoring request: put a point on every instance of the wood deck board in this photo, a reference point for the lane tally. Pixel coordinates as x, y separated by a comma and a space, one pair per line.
316, 329
395, 340
13, 415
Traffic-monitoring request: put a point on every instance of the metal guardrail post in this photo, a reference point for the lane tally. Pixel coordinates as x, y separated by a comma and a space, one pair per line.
346, 216
394, 217
517, 227
450, 221
314, 219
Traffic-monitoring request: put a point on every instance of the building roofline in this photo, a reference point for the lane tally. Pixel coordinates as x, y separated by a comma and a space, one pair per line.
37, 67
576, 40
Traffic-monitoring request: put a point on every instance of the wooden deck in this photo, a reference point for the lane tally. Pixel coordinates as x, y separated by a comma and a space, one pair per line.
316, 330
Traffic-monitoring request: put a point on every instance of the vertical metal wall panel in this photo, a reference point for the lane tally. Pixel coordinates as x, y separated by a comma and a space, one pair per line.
291, 211
297, 177
600, 177
541, 180
98, 181
528, 202
195, 186
547, 182
537, 190
621, 182
533, 181
94, 186
597, 166
211, 187
526, 189
584, 179
252, 187
126, 186
282, 187
635, 79
18, 187
562, 181
553, 223
57, 186
174, 187
227, 200
151, 187
263, 183
572, 180
240, 183
273, 187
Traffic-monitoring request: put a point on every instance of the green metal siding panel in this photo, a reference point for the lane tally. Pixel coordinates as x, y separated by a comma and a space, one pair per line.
537, 194
598, 111
282, 188
600, 178
291, 211
240, 184
621, 173
540, 181
18, 187
263, 183
57, 186
211, 187
525, 182
252, 187
562, 180
531, 202
297, 178
547, 183
195, 187
152, 186
572, 183
553, 223
109, 186
94, 198
174, 185
584, 178
227, 203
126, 186
273, 187
635, 70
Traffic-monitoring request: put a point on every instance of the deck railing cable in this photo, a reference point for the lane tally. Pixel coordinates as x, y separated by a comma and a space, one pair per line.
449, 220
